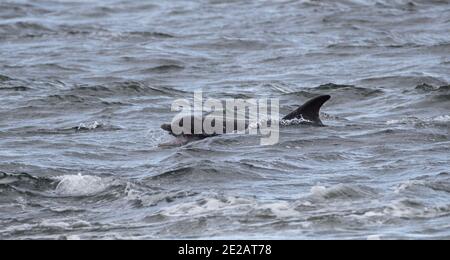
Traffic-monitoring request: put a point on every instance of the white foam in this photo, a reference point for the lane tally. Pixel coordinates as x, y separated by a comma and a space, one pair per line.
442, 119
341, 191
415, 120
401, 209
73, 237
209, 205
91, 126
296, 121
80, 224
374, 237
306, 204
281, 209
18, 228
373, 214
233, 205
318, 191
406, 185
52, 224
393, 122
406, 120
79, 185
175, 142
157, 138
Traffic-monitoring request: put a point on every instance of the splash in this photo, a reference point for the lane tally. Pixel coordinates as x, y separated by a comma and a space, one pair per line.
443, 119
88, 127
79, 185
341, 191
295, 121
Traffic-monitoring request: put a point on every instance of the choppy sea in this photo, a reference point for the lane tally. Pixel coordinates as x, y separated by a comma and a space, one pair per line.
85, 86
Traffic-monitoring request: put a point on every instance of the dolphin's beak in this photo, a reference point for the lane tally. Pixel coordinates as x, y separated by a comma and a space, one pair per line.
167, 127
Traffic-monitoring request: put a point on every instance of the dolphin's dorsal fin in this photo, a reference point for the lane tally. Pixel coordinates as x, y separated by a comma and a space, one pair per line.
310, 110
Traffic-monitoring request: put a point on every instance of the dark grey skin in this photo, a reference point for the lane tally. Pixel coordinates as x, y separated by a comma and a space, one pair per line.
310, 112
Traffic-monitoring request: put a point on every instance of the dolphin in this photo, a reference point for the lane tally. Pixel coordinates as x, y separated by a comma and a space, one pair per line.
307, 114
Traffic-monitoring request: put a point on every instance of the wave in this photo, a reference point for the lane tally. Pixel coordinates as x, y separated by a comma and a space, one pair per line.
18, 30
80, 185
401, 209
24, 30
4, 78
24, 183
15, 89
37, 228
18, 26
164, 69
399, 80
143, 199
64, 98
388, 43
203, 171
342, 191
180, 172
149, 34
103, 33
10, 84
71, 101
437, 183
81, 128
338, 91
102, 10
126, 88
11, 10
57, 186
430, 88
225, 43
351, 89
443, 120
412, 209
207, 206
9, 178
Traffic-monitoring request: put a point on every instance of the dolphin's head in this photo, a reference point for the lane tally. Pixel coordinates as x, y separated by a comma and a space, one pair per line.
167, 127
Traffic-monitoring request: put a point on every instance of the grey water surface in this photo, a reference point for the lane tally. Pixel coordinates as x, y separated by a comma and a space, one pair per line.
85, 86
